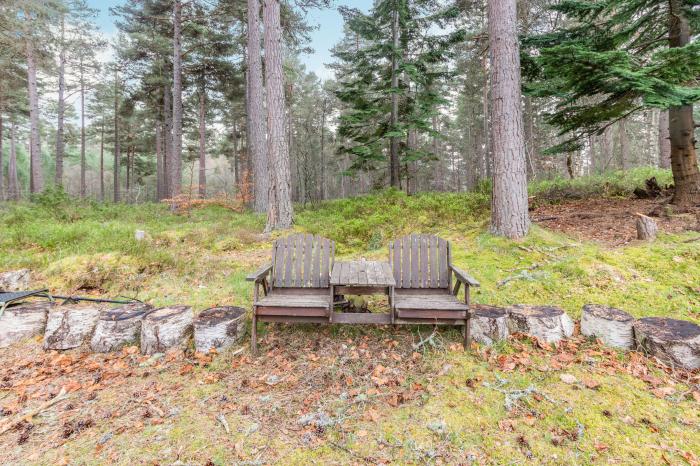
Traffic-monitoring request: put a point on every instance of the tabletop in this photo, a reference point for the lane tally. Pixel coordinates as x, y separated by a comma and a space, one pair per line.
362, 273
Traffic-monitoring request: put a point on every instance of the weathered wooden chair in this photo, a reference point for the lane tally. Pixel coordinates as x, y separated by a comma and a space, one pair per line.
424, 294
295, 283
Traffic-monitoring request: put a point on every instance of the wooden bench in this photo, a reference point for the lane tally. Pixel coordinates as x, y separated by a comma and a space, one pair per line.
295, 283
424, 294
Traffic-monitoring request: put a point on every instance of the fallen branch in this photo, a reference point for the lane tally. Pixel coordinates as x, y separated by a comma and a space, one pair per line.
38, 410
223, 422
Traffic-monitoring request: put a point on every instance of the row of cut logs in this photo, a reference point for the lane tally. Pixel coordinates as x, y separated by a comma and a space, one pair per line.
674, 342
489, 324
156, 330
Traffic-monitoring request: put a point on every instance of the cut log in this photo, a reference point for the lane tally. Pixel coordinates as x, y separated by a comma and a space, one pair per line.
488, 324
613, 326
119, 327
549, 323
14, 280
70, 326
675, 342
218, 328
646, 227
23, 321
166, 328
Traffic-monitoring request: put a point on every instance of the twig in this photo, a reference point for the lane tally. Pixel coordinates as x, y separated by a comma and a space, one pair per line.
430, 339
29, 415
692, 239
222, 419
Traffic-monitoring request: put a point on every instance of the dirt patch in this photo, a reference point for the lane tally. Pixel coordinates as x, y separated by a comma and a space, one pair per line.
611, 221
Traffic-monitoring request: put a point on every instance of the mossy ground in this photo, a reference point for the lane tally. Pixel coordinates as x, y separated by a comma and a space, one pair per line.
202, 257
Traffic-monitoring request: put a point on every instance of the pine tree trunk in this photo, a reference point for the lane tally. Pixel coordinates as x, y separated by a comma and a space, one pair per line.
175, 164
36, 175
664, 141
168, 139
394, 162
509, 214
624, 146
128, 168
486, 161
684, 160
102, 160
159, 160
60, 144
280, 210
12, 182
202, 144
83, 162
117, 149
323, 154
255, 111
2, 166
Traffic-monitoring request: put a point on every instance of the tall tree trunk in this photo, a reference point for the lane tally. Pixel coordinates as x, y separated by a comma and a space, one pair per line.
159, 160
2, 166
684, 160
12, 181
202, 143
280, 210
102, 160
255, 111
624, 146
83, 162
167, 138
129, 148
486, 159
394, 167
175, 164
509, 205
323, 154
36, 174
60, 144
117, 149
236, 157
664, 140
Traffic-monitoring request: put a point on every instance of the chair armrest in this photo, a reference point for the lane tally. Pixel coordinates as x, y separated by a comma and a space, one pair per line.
463, 276
259, 274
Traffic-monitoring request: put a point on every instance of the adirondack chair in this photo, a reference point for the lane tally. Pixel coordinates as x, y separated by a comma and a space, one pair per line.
424, 294
295, 283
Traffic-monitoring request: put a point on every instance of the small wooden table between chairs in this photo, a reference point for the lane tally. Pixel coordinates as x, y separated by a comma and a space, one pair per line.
361, 278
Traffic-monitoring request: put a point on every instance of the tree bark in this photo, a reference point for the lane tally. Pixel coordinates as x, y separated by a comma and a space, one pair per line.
12, 181
102, 160
23, 321
624, 147
394, 162
548, 323
323, 155
36, 174
2, 166
664, 140
119, 327
202, 143
684, 160
675, 342
117, 149
83, 162
60, 144
159, 160
218, 328
168, 139
280, 210
509, 205
255, 111
613, 326
646, 228
488, 324
166, 328
175, 164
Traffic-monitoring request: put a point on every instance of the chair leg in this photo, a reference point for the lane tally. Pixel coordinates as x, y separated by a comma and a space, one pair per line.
254, 335
467, 336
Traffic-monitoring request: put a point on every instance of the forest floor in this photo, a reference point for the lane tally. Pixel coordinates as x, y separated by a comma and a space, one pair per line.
363, 394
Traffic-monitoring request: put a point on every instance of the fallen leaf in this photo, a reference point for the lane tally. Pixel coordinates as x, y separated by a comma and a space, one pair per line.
592, 384
600, 447
663, 392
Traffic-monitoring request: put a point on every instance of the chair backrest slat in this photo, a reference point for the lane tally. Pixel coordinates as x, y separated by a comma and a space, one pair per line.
420, 261
302, 261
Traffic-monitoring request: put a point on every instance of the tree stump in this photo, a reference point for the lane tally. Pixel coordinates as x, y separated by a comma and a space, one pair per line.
14, 280
613, 326
646, 227
119, 327
70, 326
549, 323
675, 342
218, 328
166, 328
488, 324
23, 321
